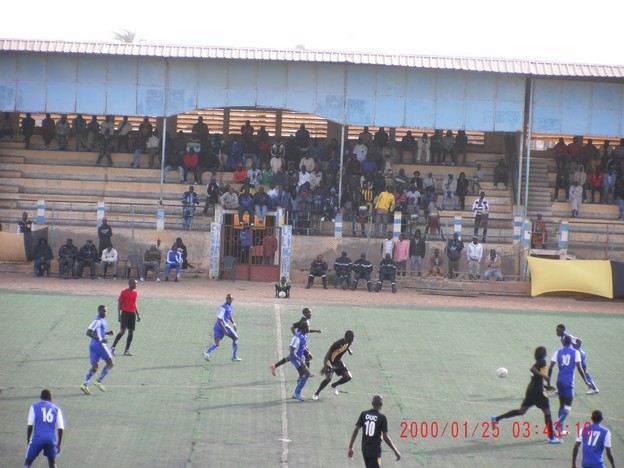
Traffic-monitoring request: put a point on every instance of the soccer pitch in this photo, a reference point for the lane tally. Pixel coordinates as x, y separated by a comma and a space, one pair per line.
167, 407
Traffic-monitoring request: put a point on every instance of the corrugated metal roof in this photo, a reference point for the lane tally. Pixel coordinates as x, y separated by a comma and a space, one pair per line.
525, 67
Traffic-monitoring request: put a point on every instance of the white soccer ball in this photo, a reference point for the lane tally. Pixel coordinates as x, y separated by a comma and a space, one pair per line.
501, 372
281, 294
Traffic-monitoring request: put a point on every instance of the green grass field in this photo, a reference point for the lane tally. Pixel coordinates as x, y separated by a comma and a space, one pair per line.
167, 407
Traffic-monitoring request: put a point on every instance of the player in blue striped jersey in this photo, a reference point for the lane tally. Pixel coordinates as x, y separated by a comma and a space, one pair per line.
297, 357
595, 438
44, 418
98, 350
568, 360
223, 328
576, 344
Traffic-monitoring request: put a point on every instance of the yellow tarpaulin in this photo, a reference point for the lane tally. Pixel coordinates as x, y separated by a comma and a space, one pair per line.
585, 276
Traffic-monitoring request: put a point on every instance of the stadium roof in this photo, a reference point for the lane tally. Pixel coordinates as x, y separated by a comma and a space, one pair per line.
525, 67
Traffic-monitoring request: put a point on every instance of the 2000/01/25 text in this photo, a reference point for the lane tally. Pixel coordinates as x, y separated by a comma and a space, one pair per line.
477, 430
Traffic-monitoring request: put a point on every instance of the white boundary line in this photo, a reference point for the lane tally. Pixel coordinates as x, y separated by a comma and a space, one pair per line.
282, 380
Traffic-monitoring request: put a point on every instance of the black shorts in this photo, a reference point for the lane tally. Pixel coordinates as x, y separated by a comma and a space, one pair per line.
372, 462
339, 368
538, 399
128, 320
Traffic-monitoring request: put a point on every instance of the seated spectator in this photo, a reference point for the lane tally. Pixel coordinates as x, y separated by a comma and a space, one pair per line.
191, 164
178, 244
6, 127
282, 286
493, 267
608, 184
61, 131
267, 174
106, 148
330, 205
246, 204
88, 256
539, 235
212, 194
24, 225
342, 268
595, 180
261, 203
42, 255
151, 261
318, 268
387, 271
501, 174
109, 259
362, 269
174, 260
437, 264
475, 182
254, 175
240, 174
408, 145
173, 160
67, 259
229, 200
562, 181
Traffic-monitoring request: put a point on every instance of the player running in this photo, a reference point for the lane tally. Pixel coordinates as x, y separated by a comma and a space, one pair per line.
567, 359
222, 328
576, 344
98, 350
535, 395
333, 364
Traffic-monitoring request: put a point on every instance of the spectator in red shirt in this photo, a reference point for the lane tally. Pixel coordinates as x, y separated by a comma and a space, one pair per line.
269, 247
191, 163
127, 315
240, 174
574, 150
595, 180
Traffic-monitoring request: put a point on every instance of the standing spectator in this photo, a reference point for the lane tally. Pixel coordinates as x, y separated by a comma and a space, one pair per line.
562, 181
362, 269
108, 124
374, 427
224, 326
109, 259
145, 130
123, 134
218, 147
174, 260
105, 235
6, 127
474, 253
93, 131
561, 155
432, 213
448, 147
67, 259
424, 145
318, 267
576, 197
462, 189
366, 136
594, 438
79, 126
88, 256
384, 209
245, 243
608, 184
481, 209
261, 203
461, 145
201, 132
151, 260
417, 251
387, 271
360, 150
408, 145
449, 187
453, 251
387, 245
48, 128
44, 418
28, 129
437, 266
189, 201
247, 131
589, 153
302, 138
98, 350
153, 148
402, 255
269, 247
501, 174
191, 163
127, 315
380, 138
42, 256
493, 266
24, 225
106, 148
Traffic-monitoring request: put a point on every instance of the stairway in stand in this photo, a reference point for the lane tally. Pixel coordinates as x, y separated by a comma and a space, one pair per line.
539, 200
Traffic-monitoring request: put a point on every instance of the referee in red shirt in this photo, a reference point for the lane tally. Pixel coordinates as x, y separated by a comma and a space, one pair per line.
127, 314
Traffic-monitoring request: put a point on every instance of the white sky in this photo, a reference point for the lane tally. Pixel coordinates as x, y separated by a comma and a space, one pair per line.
548, 30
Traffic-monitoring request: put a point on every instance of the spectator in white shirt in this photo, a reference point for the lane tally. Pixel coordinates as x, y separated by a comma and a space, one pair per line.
474, 252
109, 259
